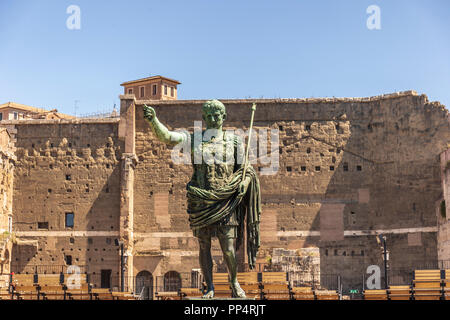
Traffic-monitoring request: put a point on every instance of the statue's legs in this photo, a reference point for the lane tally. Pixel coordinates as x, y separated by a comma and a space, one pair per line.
206, 264
229, 255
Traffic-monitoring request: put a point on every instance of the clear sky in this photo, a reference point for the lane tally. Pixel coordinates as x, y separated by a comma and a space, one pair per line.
221, 49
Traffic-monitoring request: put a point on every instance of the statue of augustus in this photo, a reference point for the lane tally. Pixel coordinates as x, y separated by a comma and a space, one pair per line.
223, 195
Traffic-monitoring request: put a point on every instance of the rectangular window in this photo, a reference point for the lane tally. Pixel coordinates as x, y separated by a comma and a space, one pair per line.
1, 116
10, 224
130, 91
165, 90
105, 278
154, 89
69, 219
16, 115
172, 91
142, 91
42, 225
68, 260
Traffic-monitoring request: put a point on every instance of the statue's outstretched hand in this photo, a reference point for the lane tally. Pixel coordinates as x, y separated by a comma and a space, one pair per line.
149, 113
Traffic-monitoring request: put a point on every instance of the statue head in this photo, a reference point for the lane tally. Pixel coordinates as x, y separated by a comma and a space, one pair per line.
214, 114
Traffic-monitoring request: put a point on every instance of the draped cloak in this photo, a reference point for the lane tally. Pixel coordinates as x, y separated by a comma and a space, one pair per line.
211, 206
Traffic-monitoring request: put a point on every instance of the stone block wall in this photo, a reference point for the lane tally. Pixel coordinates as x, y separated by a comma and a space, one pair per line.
67, 168
349, 169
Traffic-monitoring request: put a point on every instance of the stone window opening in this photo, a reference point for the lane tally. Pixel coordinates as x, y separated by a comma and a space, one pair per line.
69, 221
281, 128
326, 252
303, 168
335, 252
317, 168
68, 260
289, 169
358, 168
345, 166
50, 166
308, 127
154, 90
49, 190
344, 253
107, 166
68, 177
308, 150
87, 166
337, 127
331, 168
107, 189
72, 240
43, 225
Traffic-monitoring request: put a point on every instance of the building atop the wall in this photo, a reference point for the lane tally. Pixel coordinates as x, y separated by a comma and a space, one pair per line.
152, 88
18, 111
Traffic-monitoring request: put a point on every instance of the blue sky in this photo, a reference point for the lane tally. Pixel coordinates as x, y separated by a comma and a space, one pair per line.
221, 49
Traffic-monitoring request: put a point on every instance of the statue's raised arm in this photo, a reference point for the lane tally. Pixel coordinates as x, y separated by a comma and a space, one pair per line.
163, 134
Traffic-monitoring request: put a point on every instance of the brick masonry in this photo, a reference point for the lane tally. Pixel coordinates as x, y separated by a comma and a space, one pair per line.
349, 168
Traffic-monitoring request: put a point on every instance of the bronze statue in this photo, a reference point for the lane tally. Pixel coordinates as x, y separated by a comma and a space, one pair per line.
221, 202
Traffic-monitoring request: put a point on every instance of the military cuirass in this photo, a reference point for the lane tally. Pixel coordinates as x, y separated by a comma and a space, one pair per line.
213, 161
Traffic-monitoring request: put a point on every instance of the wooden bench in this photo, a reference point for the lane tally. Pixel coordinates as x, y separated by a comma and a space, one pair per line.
222, 287
250, 284
81, 293
123, 296
326, 294
275, 286
26, 292
49, 280
375, 294
101, 294
52, 293
427, 285
5, 294
190, 292
302, 293
446, 285
399, 293
167, 295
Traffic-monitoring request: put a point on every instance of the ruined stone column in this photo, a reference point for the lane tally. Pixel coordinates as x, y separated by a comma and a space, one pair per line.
129, 161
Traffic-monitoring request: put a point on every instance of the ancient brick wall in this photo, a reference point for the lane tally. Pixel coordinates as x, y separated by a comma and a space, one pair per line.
63, 168
349, 169
7, 159
443, 210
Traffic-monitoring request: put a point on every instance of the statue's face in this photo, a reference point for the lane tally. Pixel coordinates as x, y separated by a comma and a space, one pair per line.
214, 119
